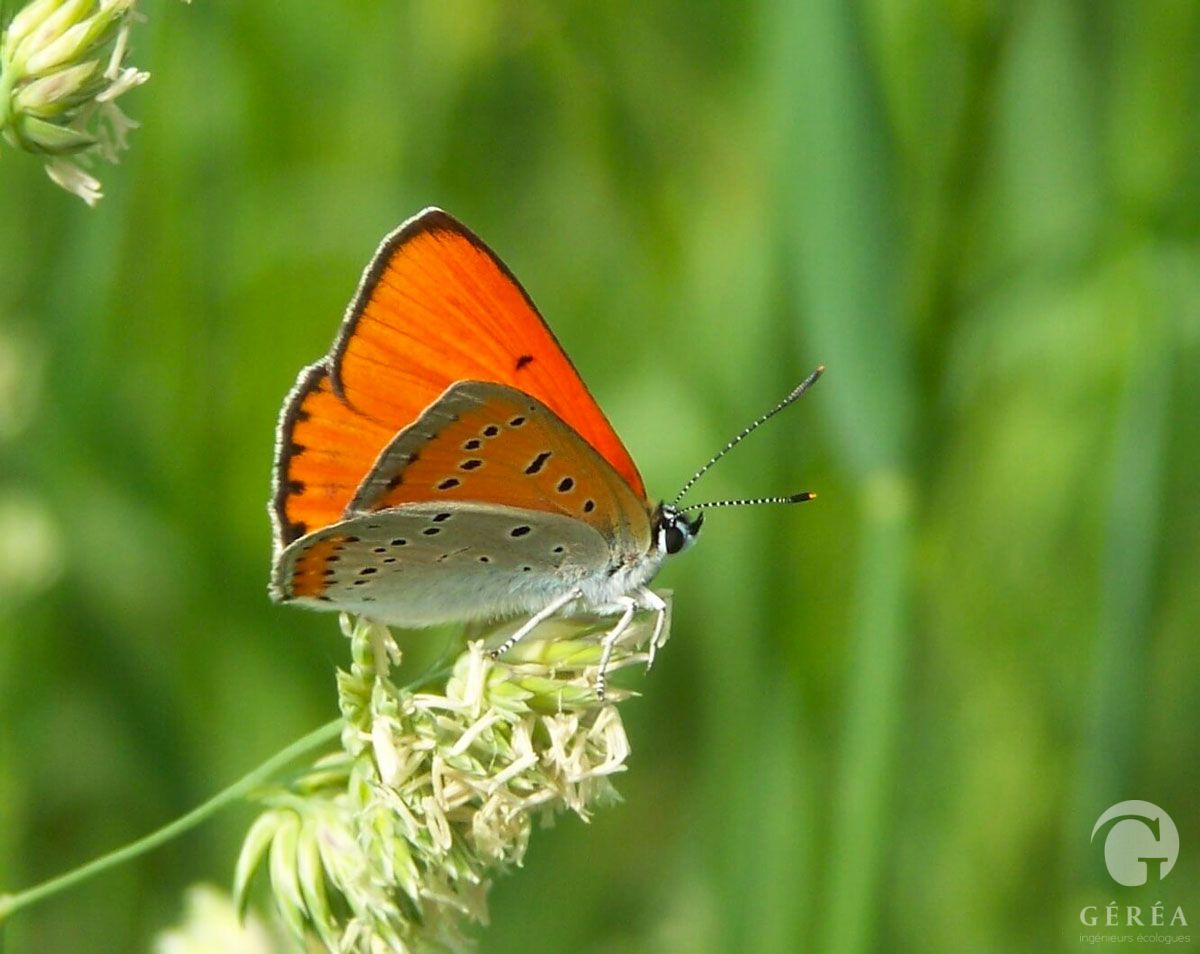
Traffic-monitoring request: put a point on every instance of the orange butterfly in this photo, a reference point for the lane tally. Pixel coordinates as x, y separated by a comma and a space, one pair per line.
445, 461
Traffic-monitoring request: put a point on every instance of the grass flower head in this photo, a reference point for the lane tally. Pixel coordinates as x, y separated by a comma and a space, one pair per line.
391, 843
62, 68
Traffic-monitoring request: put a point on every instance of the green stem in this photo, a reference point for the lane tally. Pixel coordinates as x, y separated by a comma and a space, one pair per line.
11, 903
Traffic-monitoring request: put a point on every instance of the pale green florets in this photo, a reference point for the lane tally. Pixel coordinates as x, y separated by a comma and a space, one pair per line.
390, 845
62, 67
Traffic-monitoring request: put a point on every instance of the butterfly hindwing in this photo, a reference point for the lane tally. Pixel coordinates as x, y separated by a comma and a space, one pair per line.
420, 564
488, 442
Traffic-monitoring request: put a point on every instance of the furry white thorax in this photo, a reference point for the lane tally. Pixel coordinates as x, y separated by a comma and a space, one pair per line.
602, 593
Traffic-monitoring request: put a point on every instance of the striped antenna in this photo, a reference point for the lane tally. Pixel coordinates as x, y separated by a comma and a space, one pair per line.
750, 502
796, 392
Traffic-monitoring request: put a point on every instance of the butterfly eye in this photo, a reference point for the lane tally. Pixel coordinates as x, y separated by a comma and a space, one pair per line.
675, 531
673, 538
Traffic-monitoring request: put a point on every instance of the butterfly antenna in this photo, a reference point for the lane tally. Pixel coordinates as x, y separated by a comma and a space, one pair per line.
796, 392
750, 502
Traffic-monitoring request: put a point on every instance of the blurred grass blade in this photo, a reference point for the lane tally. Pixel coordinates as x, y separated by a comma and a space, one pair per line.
1119, 690
834, 180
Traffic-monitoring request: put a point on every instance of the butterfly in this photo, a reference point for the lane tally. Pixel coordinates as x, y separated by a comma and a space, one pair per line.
445, 462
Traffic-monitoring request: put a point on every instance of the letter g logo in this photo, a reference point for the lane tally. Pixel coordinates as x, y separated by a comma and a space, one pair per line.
1141, 842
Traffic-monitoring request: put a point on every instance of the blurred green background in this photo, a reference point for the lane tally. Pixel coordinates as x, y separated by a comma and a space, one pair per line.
886, 720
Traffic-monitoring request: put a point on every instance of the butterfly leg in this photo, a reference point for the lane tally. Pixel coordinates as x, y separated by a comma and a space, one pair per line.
610, 640
654, 602
530, 624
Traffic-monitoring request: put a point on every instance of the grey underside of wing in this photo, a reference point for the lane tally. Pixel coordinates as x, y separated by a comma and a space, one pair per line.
427, 563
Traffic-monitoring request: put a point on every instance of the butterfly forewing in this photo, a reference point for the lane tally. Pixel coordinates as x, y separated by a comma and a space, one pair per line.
435, 307
422, 564
322, 451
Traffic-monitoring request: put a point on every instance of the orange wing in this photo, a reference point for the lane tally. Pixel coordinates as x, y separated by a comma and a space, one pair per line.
434, 307
486, 442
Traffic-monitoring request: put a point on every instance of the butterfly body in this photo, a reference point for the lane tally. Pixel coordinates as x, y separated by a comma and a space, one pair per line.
445, 462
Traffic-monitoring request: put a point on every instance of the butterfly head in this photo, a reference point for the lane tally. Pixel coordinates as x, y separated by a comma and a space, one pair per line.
674, 531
